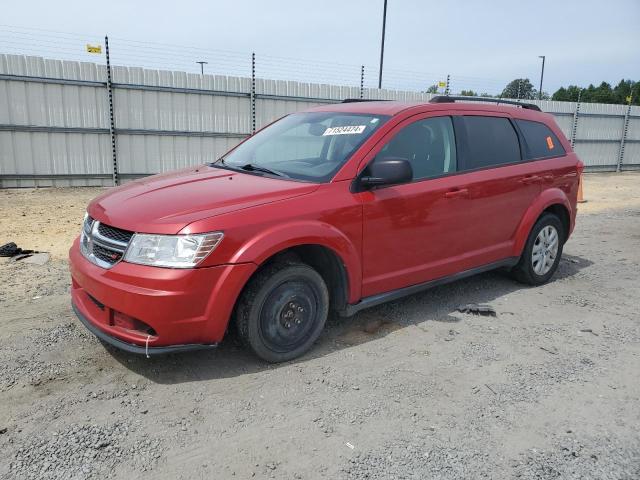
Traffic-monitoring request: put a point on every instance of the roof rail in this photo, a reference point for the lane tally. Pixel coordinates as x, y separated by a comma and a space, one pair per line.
357, 100
449, 99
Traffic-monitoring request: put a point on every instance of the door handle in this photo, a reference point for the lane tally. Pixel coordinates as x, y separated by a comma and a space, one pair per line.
461, 192
528, 180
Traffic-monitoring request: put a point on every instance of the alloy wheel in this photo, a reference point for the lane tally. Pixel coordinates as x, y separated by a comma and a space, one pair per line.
545, 250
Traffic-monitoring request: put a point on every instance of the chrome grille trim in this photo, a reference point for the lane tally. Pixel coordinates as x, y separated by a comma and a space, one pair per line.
107, 242
115, 234
97, 248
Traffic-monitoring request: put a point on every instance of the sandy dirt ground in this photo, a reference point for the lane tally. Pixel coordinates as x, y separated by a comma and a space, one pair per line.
549, 388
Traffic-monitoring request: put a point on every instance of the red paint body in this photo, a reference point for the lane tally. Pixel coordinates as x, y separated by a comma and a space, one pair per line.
386, 238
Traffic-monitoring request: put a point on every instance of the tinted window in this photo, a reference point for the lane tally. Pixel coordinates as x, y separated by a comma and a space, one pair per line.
491, 141
428, 144
541, 141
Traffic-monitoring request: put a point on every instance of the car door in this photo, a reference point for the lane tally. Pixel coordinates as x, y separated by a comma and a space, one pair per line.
499, 185
411, 231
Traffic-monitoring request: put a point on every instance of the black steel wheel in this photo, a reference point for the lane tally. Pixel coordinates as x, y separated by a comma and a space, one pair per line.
282, 311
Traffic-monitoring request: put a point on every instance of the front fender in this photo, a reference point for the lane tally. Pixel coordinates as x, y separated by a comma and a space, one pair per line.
551, 196
280, 237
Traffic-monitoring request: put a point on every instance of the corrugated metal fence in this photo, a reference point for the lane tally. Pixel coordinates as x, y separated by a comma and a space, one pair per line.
55, 120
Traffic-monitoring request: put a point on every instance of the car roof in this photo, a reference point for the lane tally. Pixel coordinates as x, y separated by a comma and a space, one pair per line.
380, 107
393, 107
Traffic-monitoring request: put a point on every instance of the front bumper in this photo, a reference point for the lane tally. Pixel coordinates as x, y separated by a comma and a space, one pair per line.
131, 348
184, 309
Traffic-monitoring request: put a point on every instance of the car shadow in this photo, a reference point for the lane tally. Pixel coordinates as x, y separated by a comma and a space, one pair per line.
438, 304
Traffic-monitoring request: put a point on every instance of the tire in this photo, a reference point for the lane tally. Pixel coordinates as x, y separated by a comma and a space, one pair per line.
537, 271
282, 311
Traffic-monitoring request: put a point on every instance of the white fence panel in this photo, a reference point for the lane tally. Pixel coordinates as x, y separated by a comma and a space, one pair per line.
598, 155
54, 119
147, 154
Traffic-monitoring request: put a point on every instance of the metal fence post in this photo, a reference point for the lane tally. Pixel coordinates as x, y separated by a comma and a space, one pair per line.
574, 127
362, 81
253, 93
446, 90
112, 125
625, 130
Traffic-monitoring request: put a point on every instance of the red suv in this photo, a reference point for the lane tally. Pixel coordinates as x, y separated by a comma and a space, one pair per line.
340, 208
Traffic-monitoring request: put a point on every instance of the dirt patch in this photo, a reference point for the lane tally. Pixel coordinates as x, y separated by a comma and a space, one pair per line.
413, 389
44, 219
611, 191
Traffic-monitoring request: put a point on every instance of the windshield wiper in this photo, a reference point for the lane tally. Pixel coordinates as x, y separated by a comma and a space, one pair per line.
250, 167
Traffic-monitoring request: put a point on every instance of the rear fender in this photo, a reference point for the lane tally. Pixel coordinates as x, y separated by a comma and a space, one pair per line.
551, 196
278, 238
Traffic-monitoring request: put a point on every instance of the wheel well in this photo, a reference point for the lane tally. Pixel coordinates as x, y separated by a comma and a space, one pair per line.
327, 263
562, 213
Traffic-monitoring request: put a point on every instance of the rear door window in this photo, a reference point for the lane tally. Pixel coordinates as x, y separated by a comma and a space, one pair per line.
540, 141
491, 141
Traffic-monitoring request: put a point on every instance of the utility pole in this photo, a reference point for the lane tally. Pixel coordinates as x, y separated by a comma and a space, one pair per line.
384, 24
202, 64
541, 77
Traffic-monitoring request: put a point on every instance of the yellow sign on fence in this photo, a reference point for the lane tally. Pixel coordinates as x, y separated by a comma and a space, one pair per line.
94, 48
442, 84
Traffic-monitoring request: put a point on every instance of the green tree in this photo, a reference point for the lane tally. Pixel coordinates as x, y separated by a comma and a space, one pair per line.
468, 93
573, 93
626, 89
603, 93
561, 95
523, 86
569, 94
432, 89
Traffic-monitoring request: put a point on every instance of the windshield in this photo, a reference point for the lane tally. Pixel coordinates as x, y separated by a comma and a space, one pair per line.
304, 146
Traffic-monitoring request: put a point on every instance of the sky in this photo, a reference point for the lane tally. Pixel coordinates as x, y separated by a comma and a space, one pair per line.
481, 44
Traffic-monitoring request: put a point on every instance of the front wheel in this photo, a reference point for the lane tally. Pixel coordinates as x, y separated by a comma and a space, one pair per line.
542, 251
282, 311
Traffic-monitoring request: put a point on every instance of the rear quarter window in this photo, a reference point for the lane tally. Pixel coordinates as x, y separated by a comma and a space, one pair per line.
540, 141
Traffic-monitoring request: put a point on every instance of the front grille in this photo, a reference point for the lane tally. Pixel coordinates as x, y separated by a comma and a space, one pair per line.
103, 245
114, 233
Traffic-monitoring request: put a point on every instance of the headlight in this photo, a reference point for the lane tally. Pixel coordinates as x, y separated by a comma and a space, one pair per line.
173, 251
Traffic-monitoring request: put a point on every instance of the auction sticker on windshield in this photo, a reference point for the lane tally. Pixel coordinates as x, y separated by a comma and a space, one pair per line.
346, 130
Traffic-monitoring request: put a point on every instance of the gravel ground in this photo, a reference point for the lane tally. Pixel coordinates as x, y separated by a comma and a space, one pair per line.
547, 389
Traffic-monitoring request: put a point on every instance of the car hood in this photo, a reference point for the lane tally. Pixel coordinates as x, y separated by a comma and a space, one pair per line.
166, 203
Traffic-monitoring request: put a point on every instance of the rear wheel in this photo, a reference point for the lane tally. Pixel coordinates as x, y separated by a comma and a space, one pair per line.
282, 311
542, 251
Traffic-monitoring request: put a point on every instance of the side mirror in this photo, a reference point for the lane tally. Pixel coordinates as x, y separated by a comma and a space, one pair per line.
387, 171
